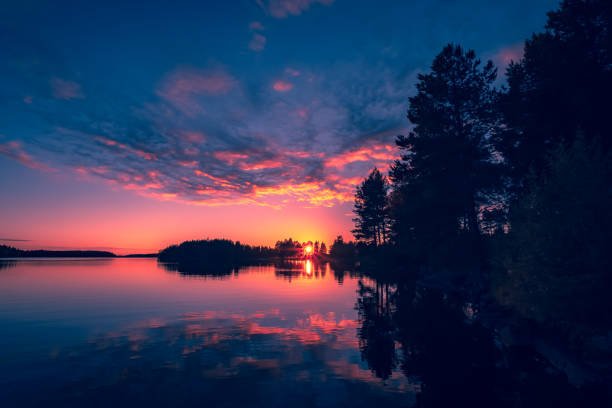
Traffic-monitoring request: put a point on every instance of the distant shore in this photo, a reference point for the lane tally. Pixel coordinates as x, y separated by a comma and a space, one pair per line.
11, 252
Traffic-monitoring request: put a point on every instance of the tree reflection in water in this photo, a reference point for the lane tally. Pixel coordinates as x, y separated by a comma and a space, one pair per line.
430, 337
377, 331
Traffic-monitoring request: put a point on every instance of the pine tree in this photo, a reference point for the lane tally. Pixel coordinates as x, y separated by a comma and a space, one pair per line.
447, 166
371, 223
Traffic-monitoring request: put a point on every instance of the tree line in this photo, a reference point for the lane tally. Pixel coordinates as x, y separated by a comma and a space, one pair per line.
11, 252
514, 181
225, 254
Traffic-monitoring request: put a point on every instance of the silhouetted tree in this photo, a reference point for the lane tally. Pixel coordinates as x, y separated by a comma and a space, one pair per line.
341, 250
212, 255
10, 252
557, 260
376, 330
371, 223
562, 85
323, 249
288, 248
447, 165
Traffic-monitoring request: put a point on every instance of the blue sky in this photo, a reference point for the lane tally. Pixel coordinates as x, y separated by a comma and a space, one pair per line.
282, 104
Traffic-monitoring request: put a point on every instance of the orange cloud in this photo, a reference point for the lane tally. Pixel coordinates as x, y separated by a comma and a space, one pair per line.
265, 164
376, 152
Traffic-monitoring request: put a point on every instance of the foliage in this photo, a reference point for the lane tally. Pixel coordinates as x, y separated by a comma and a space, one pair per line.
528, 165
341, 250
213, 253
556, 260
323, 249
10, 252
447, 166
561, 86
372, 221
288, 248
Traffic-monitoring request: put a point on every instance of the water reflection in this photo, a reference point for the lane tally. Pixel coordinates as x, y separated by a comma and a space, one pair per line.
5, 264
439, 345
135, 332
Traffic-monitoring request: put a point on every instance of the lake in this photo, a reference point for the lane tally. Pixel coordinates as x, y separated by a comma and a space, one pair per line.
134, 332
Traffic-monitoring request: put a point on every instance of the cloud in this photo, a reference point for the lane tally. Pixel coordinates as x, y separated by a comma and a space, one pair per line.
14, 151
282, 86
183, 85
206, 138
285, 8
292, 72
65, 89
379, 152
256, 26
258, 42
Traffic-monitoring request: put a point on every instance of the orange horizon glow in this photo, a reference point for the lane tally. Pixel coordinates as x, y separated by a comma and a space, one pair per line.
88, 208
99, 217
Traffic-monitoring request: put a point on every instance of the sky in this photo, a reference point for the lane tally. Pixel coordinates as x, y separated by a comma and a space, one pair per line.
129, 127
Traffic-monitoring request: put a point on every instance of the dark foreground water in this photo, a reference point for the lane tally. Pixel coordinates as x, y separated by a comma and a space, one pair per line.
132, 332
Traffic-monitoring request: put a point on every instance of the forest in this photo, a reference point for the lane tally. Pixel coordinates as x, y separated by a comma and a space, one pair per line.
503, 188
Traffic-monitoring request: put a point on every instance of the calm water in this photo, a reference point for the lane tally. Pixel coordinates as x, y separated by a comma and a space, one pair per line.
132, 332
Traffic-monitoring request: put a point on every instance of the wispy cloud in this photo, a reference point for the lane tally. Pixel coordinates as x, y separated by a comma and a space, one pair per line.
378, 152
256, 26
14, 151
65, 89
282, 86
258, 40
207, 138
182, 85
285, 8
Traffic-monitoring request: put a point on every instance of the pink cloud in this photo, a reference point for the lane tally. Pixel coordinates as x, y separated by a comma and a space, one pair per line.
365, 154
292, 72
285, 8
229, 157
282, 86
14, 151
196, 81
65, 89
138, 152
502, 57
193, 136
264, 164
182, 84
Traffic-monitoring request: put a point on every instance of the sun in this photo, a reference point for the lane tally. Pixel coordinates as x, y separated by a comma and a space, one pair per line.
308, 249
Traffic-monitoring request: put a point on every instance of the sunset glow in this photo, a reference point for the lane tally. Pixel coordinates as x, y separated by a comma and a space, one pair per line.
305, 203
231, 135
